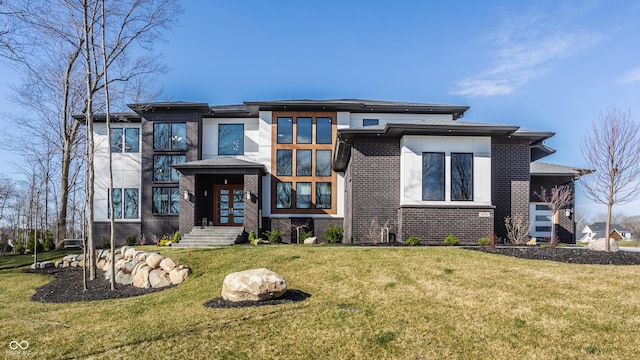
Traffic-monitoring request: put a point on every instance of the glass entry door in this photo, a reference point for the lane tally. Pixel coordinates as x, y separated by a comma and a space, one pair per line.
228, 205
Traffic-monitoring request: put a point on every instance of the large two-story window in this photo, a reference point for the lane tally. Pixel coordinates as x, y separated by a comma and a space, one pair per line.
302, 154
434, 176
124, 202
170, 146
125, 140
170, 136
230, 139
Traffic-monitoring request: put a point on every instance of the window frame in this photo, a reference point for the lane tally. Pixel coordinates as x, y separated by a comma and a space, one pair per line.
123, 204
370, 122
170, 140
451, 176
173, 197
240, 151
299, 148
442, 175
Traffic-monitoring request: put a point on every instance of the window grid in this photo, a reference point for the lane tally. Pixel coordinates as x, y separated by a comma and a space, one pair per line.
301, 154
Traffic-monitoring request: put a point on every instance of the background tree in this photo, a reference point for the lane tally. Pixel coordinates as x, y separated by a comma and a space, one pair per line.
556, 199
612, 149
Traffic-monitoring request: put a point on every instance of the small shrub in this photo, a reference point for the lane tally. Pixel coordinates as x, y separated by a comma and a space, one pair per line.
304, 234
412, 241
273, 236
484, 241
105, 244
176, 237
131, 240
19, 247
451, 240
334, 234
164, 240
32, 241
252, 236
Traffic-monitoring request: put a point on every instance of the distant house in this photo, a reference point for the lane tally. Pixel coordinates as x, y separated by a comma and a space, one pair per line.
598, 230
381, 170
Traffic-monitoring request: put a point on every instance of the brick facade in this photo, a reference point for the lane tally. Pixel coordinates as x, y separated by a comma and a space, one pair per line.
102, 231
510, 178
433, 224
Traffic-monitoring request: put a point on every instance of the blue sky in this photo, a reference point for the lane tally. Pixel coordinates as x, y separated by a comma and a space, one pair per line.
543, 65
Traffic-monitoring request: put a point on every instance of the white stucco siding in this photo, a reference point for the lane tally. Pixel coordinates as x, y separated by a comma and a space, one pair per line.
383, 119
411, 167
126, 170
251, 137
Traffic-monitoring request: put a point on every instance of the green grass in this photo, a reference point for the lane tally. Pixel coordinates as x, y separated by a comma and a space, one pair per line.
9, 261
366, 303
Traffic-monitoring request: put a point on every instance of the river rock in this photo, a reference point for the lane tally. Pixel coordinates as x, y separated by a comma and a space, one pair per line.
141, 278
158, 278
179, 274
153, 260
130, 253
253, 285
598, 245
123, 278
167, 265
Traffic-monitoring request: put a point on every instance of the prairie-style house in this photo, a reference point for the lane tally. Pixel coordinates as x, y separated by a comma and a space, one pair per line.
381, 170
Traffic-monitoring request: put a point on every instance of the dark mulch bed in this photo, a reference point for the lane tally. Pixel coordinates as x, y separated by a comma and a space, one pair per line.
67, 287
571, 255
288, 297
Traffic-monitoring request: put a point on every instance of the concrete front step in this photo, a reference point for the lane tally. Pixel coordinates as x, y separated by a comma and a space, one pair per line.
210, 236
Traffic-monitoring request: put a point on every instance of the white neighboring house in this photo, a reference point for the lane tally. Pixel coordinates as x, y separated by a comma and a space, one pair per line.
597, 231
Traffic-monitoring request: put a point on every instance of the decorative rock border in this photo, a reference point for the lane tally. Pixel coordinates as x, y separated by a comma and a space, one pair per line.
133, 267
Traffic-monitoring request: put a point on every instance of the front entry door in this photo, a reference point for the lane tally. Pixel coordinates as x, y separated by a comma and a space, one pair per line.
228, 205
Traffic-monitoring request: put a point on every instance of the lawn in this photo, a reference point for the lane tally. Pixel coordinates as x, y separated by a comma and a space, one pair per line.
366, 303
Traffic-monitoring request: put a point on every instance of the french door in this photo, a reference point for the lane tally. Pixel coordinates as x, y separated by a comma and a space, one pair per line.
228, 205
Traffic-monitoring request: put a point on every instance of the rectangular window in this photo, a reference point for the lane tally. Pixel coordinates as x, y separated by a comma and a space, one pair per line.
303, 195
323, 130
369, 122
323, 195
285, 130
230, 139
323, 162
116, 201
129, 203
461, 177
170, 136
543, 228
163, 167
303, 132
284, 162
166, 200
283, 195
115, 139
433, 176
543, 218
131, 140
303, 162
542, 207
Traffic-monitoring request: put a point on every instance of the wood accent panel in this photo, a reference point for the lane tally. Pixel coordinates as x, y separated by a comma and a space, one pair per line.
313, 147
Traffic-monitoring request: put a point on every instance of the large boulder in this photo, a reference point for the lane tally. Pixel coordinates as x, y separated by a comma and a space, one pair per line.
130, 253
179, 274
598, 245
123, 278
153, 260
141, 278
158, 278
167, 265
253, 285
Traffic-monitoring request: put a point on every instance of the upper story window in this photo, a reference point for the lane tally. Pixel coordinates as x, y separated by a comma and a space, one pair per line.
231, 139
170, 136
369, 122
125, 139
302, 148
285, 130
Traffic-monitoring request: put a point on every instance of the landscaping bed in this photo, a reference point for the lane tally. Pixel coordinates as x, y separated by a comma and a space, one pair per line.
570, 255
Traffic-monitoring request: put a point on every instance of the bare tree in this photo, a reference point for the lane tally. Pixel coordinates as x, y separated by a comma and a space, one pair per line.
559, 197
612, 149
517, 229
